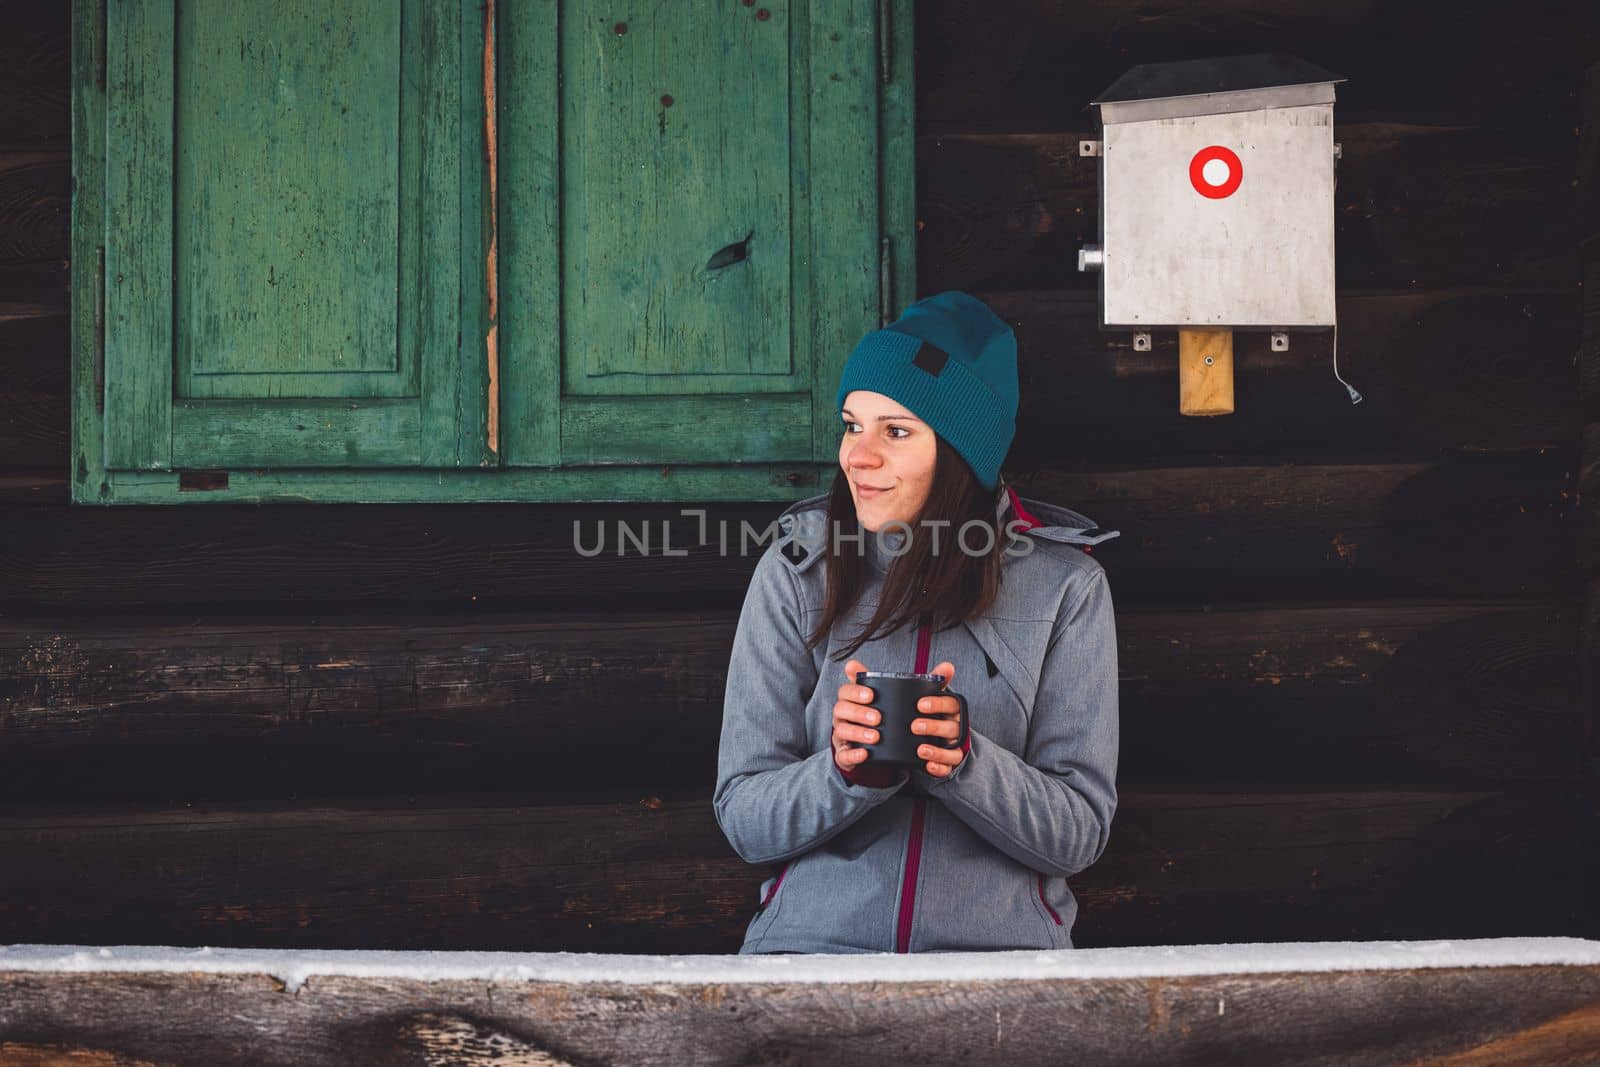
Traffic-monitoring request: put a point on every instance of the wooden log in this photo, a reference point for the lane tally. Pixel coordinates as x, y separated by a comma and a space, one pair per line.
1479, 370
1108, 1007
35, 203
1480, 524
1448, 694
1040, 65
658, 876
1588, 389
1009, 210
35, 82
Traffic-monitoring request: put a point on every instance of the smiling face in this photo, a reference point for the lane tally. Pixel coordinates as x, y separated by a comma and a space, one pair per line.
887, 456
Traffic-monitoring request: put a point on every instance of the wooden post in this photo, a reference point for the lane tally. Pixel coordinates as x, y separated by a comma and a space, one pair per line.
1205, 372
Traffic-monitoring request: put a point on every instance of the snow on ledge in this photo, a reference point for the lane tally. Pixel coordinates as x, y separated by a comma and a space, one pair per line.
293, 966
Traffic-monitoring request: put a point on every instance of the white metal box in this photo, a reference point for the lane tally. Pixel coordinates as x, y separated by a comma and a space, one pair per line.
1217, 206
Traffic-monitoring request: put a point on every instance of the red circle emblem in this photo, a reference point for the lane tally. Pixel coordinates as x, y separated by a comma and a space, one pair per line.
1197, 168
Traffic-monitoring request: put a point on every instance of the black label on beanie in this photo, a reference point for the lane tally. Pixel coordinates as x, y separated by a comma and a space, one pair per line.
931, 358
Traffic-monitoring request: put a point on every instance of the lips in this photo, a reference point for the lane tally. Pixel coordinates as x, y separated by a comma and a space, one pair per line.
869, 489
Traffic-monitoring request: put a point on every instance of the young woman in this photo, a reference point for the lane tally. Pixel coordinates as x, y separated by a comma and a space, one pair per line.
921, 559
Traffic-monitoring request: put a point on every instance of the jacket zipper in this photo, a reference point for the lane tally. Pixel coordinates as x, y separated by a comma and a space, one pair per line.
908, 887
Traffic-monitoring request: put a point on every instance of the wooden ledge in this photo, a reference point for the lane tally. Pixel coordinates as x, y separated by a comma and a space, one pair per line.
1500, 1000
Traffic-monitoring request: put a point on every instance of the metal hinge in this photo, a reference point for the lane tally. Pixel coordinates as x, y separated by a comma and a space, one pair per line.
885, 281
885, 41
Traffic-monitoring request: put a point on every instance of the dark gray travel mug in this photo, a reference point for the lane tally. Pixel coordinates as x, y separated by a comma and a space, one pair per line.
895, 695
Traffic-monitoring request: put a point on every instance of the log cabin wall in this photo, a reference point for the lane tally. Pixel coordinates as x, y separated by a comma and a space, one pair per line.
1360, 645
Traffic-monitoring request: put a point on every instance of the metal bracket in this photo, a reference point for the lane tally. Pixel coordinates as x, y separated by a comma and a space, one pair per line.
1090, 148
1141, 341
1280, 342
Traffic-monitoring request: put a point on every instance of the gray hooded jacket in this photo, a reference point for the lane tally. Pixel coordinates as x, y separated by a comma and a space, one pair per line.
978, 859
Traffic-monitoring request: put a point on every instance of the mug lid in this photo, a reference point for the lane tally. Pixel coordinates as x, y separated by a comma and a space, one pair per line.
930, 676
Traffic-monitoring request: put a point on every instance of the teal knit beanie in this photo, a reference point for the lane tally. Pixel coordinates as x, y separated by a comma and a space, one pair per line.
953, 363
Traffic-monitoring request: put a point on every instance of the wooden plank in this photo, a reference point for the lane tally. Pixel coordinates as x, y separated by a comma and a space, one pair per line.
676, 151
77, 366
1484, 59
743, 428
473, 195
517, 1008
1009, 211
445, 40
1088, 397
897, 124
1442, 694
1468, 525
222, 434
1588, 389
288, 208
530, 231
655, 875
33, 203
138, 256
36, 61
845, 229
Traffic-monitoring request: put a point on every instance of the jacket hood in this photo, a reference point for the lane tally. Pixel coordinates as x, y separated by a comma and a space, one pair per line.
804, 524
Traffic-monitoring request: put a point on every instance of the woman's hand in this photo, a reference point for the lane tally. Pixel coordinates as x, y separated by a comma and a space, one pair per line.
853, 720
940, 719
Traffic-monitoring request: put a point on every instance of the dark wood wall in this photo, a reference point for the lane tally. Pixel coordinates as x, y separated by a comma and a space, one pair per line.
1359, 648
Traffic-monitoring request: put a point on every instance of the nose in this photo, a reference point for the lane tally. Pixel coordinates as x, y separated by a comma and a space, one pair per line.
862, 454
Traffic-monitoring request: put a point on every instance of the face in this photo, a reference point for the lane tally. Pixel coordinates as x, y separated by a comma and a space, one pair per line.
887, 456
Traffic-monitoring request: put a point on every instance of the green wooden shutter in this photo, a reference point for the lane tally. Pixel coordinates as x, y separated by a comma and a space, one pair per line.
284, 242
295, 210
692, 225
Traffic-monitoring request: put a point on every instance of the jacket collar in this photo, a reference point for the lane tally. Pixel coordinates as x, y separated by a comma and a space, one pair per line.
804, 523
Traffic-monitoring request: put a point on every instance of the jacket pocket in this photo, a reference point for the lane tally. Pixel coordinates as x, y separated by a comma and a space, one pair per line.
766, 911
1053, 927
782, 873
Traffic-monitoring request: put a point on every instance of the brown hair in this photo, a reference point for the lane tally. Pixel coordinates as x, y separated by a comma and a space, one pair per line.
944, 587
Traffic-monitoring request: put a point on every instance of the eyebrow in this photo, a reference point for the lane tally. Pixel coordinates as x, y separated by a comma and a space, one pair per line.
884, 418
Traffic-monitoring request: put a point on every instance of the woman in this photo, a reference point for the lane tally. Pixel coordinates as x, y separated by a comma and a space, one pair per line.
972, 849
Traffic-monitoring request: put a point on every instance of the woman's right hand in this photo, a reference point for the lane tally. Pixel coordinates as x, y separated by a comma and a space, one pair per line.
854, 721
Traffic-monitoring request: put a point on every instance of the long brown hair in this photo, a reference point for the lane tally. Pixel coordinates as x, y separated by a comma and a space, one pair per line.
944, 587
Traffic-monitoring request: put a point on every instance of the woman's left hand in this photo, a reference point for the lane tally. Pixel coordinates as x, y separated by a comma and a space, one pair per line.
940, 718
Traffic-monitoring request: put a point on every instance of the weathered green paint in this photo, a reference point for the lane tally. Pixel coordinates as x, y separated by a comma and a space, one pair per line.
530, 236
653, 191
287, 170
845, 188
677, 284
316, 159
471, 291
897, 156
687, 429
87, 238
138, 282
296, 433
690, 484
690, 251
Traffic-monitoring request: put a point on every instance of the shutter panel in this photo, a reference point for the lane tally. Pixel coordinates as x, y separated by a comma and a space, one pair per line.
284, 241
692, 234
